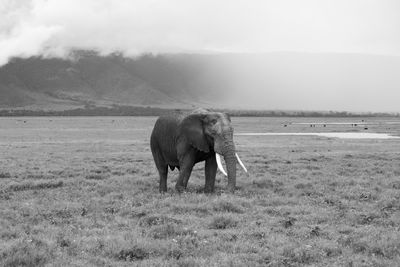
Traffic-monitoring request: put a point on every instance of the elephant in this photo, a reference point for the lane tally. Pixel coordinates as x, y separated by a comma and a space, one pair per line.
181, 140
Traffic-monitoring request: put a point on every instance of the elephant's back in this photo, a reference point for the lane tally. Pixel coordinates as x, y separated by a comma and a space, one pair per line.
166, 125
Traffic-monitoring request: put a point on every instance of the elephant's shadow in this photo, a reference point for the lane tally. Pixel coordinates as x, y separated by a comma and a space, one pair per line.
196, 187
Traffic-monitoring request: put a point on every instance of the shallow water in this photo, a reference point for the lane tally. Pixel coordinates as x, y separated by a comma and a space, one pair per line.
343, 135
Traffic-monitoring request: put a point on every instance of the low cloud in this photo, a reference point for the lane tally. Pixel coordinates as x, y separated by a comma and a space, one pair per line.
54, 27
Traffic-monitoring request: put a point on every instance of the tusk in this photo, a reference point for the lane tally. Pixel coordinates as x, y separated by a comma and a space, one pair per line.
219, 163
240, 162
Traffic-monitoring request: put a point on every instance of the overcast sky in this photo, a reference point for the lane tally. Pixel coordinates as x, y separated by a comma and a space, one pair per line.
33, 27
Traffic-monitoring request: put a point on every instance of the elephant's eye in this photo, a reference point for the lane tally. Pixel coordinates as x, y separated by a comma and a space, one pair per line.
213, 121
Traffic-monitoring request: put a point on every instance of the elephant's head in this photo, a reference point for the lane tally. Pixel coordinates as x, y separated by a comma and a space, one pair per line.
213, 131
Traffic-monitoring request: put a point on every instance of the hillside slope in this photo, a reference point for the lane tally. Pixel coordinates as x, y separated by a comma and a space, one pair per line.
298, 81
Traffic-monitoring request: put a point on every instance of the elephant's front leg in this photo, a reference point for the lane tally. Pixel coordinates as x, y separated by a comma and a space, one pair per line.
210, 172
186, 166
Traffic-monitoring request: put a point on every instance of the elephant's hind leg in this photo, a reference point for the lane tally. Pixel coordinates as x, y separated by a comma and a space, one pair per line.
210, 172
162, 168
163, 172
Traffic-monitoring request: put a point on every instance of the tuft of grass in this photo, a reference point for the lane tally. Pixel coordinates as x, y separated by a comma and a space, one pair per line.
37, 176
366, 218
5, 175
157, 220
169, 231
395, 185
304, 186
289, 222
374, 243
117, 173
133, 254
191, 209
175, 254
30, 252
35, 186
188, 262
225, 206
265, 184
300, 255
96, 176
164, 231
111, 210
332, 251
222, 222
132, 170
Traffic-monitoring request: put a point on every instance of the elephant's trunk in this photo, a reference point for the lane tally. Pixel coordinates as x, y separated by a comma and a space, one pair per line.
228, 152
230, 161
226, 148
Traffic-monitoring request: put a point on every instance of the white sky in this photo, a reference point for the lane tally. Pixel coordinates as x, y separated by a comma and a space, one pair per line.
52, 27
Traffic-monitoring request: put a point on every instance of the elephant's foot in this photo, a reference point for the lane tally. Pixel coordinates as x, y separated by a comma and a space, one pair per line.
208, 189
180, 188
231, 188
163, 187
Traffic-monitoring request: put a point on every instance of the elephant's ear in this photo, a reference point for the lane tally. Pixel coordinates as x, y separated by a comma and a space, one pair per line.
191, 128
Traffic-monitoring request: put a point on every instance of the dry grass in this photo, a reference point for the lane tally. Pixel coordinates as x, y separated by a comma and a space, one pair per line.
89, 197
33, 185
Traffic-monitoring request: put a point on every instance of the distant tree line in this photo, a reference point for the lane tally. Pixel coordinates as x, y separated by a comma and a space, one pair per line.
275, 113
90, 111
116, 110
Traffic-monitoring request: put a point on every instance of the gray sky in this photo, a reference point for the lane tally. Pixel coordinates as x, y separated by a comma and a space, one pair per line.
52, 27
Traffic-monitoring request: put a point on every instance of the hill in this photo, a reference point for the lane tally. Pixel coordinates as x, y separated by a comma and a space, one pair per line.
88, 79
283, 81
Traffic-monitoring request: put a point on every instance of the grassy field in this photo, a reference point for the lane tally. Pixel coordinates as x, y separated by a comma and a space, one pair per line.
84, 192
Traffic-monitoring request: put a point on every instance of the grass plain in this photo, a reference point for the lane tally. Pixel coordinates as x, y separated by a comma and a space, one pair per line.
83, 191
